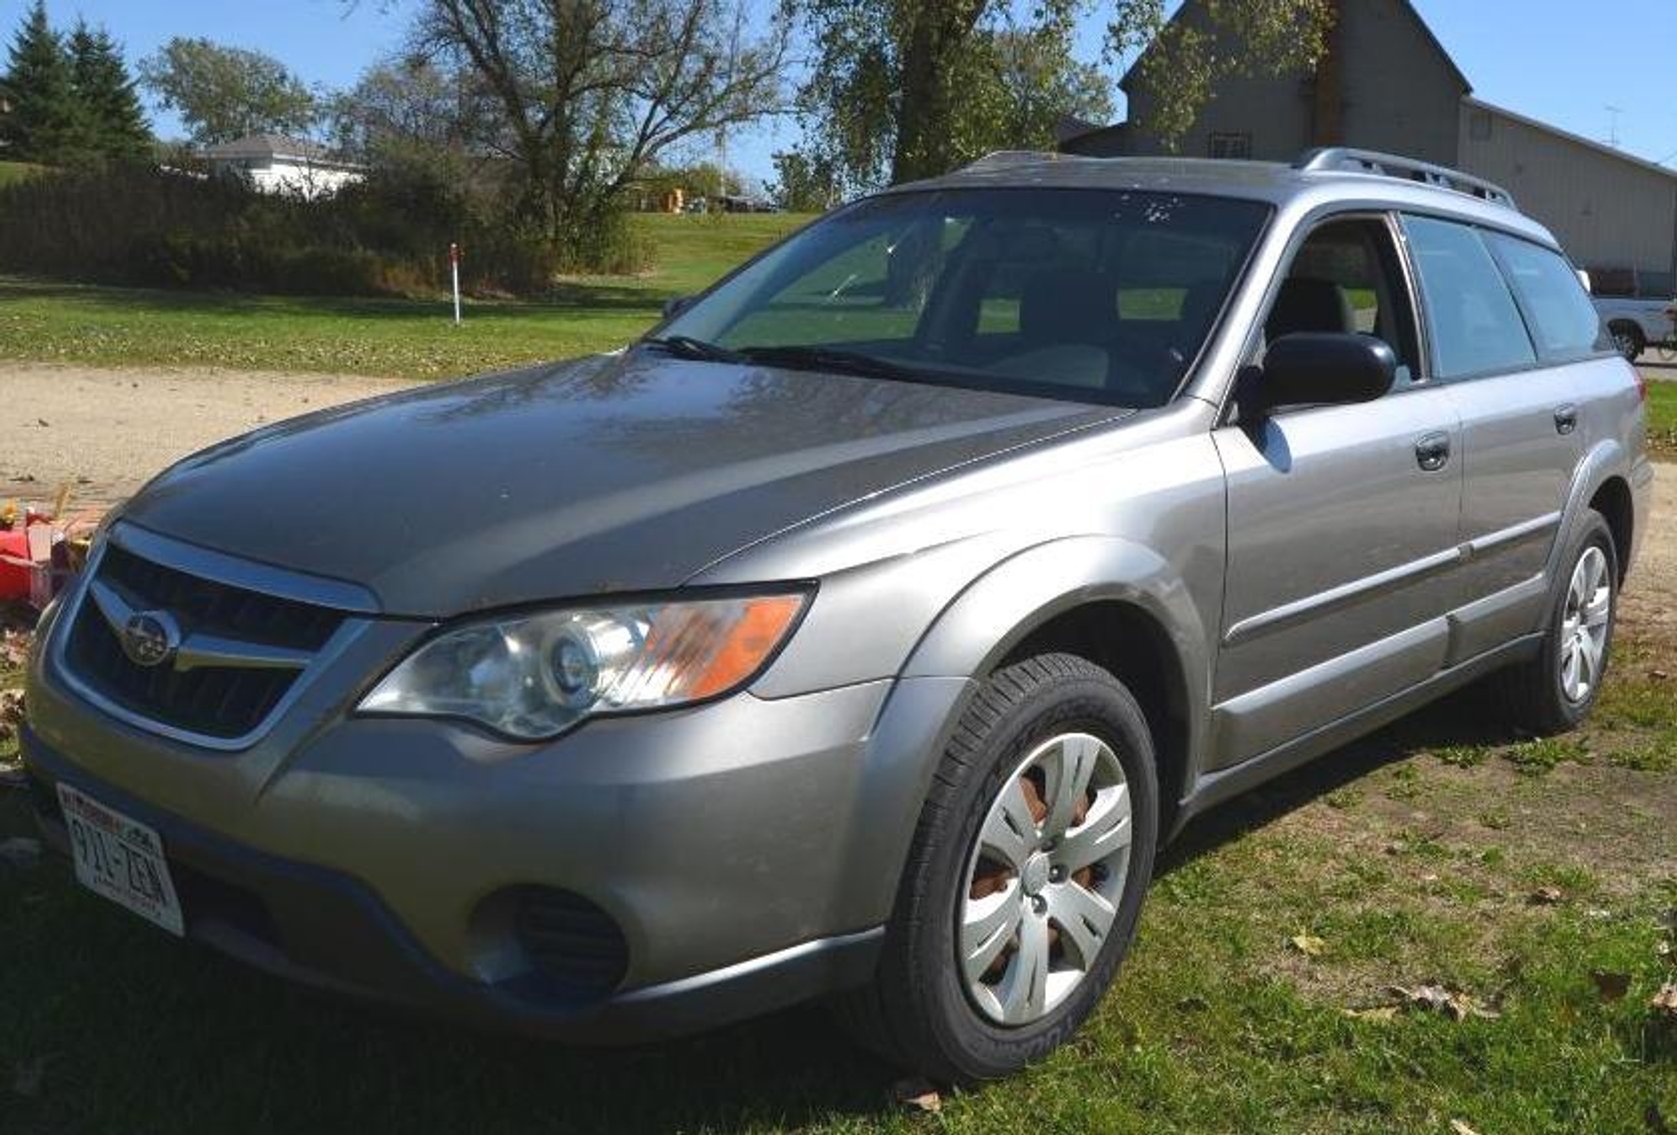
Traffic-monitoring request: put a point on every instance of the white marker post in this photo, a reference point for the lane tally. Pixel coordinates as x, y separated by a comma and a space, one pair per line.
454, 270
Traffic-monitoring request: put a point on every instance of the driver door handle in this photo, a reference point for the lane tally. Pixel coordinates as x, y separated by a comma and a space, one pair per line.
1432, 451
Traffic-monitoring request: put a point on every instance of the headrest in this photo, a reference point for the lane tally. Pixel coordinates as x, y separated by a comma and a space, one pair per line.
1306, 304
1068, 305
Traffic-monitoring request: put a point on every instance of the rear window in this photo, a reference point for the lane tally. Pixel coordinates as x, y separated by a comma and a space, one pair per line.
1558, 310
1476, 327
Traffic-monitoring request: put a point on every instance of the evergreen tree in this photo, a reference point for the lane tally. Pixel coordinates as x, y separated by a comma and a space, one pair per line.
106, 92
43, 118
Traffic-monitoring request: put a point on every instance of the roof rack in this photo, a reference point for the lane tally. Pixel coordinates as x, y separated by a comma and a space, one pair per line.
1002, 159
1346, 159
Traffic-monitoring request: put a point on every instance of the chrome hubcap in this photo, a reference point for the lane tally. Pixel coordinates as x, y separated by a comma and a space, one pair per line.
1583, 630
1044, 878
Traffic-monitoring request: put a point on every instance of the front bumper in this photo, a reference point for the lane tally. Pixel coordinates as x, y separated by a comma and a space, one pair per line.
326, 929
743, 853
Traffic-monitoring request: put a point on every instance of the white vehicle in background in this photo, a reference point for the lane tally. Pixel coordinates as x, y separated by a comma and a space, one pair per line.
1638, 312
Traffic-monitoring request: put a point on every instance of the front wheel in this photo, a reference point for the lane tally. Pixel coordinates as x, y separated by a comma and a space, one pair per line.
1026, 877
1555, 691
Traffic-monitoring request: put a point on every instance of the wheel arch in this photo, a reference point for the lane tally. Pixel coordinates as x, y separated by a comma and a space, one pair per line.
1600, 482
1112, 601
1612, 498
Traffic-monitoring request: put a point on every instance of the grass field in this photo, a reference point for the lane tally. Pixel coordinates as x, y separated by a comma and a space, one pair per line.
1662, 419
397, 338
17, 171
1530, 875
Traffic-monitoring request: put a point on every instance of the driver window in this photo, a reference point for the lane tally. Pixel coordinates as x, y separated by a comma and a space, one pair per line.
1346, 278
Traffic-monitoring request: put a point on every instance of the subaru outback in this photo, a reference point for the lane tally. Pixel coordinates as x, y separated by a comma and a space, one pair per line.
862, 631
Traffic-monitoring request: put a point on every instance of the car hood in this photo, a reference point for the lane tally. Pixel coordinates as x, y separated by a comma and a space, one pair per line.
615, 473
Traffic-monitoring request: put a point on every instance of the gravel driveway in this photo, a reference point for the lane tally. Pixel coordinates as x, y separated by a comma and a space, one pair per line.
107, 431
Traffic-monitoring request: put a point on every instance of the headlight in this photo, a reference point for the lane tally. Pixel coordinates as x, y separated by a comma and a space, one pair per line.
532, 676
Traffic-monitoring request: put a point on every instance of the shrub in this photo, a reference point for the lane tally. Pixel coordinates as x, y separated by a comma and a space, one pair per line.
184, 228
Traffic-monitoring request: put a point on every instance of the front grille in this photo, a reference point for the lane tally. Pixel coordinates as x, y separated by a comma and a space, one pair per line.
222, 702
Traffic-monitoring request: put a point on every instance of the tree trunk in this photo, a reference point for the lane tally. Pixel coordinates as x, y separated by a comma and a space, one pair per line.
938, 30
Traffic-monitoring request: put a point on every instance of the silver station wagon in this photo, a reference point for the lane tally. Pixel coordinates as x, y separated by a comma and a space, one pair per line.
862, 631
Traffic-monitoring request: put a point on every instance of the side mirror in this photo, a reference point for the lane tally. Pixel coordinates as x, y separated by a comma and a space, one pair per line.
1323, 369
675, 305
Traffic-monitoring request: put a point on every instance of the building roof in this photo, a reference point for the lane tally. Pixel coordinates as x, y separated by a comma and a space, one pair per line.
1405, 5
1576, 139
271, 146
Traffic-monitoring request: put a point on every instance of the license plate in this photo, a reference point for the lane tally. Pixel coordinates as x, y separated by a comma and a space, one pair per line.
121, 859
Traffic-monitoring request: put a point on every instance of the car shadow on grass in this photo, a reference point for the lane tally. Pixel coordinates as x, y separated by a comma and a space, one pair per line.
1457, 720
140, 1033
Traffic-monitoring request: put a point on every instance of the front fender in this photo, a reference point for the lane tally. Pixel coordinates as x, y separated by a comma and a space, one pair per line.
976, 630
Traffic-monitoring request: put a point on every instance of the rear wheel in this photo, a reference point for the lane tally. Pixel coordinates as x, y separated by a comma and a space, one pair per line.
1025, 879
1555, 691
1628, 339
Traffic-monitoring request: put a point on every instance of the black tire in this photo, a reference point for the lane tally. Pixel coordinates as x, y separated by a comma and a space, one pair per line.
917, 1012
1629, 340
1532, 694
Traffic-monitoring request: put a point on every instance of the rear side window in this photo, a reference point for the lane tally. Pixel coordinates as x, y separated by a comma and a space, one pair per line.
1558, 310
1476, 327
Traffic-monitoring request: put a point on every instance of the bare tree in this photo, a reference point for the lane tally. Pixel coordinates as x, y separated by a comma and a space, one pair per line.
590, 91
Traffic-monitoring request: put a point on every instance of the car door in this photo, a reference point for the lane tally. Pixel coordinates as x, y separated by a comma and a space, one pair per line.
1342, 519
1511, 333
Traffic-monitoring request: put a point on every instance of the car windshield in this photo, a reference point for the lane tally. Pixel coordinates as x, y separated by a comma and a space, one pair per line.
1089, 295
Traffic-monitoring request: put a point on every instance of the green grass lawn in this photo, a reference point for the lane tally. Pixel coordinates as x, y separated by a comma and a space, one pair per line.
398, 338
1436, 852
1662, 419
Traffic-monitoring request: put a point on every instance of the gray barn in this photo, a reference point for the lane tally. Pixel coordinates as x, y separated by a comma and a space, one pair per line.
1388, 84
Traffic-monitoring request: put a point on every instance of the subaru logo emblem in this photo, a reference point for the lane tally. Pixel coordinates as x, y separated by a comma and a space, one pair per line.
150, 638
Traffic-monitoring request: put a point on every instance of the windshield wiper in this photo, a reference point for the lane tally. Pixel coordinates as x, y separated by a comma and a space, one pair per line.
835, 359
688, 347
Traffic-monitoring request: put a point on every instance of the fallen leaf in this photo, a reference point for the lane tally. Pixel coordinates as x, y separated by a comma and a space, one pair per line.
918, 1095
28, 1077
1307, 944
1664, 950
1659, 675
1376, 1013
1457, 1004
1457, 1127
1193, 1003
1664, 1003
1545, 896
1600, 914
1610, 987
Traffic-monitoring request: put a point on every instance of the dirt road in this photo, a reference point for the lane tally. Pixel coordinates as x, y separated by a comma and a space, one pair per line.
106, 431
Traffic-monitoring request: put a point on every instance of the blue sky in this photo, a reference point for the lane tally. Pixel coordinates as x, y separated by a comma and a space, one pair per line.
1556, 60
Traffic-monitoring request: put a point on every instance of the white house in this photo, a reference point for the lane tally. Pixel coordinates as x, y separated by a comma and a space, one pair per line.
273, 163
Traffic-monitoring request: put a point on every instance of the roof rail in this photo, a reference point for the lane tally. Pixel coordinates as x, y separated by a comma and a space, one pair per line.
1346, 159
1002, 159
